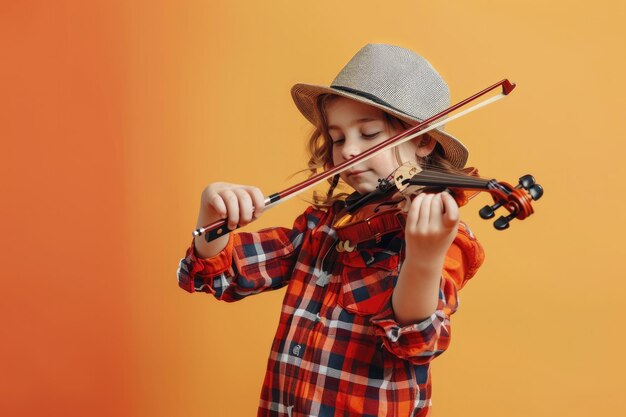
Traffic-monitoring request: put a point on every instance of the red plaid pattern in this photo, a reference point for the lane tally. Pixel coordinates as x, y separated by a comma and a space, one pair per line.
338, 350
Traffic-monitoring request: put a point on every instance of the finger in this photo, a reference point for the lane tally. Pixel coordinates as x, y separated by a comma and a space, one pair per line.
258, 200
245, 206
422, 223
451, 211
217, 204
413, 214
232, 207
436, 208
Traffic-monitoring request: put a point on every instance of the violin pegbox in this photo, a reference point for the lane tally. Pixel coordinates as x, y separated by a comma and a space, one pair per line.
515, 199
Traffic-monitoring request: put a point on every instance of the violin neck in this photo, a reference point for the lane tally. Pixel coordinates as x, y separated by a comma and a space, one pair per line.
448, 180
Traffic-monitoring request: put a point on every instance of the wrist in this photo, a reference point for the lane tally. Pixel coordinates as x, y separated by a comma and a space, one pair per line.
425, 263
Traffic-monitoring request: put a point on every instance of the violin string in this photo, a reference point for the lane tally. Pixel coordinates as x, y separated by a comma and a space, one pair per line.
439, 181
444, 174
434, 173
448, 179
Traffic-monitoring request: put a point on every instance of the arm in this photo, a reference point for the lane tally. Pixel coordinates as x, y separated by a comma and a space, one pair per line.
250, 263
431, 226
426, 334
239, 264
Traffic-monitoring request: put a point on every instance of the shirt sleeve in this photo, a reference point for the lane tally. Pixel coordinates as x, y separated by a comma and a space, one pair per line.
249, 264
421, 342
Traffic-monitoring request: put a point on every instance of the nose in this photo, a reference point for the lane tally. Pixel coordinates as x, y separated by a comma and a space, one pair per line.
350, 149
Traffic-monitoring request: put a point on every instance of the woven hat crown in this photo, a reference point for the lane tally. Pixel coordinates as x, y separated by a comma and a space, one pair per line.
396, 77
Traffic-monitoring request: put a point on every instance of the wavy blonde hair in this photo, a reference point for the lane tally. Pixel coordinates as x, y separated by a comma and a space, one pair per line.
320, 151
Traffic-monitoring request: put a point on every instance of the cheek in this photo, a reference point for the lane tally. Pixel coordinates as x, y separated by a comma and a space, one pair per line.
336, 156
385, 163
408, 152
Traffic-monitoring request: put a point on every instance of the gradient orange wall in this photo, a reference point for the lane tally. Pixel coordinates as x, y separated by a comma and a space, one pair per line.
115, 115
65, 298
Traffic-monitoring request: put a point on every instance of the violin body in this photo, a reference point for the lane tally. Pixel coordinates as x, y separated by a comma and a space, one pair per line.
384, 210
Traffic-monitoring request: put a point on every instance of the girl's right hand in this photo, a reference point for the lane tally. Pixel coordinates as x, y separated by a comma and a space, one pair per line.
239, 204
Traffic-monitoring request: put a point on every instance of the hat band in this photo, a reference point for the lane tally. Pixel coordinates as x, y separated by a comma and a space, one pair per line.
370, 97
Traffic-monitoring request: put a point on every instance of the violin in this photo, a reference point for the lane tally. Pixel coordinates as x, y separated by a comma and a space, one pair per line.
516, 200
384, 210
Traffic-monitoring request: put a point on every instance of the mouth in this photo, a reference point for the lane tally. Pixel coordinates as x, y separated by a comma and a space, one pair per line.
356, 172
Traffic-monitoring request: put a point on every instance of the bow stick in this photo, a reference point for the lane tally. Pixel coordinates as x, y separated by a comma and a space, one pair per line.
219, 228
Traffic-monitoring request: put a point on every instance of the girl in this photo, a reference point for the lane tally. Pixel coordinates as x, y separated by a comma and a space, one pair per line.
359, 323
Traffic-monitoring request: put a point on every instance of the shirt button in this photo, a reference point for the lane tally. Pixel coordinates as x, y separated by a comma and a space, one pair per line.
296, 350
394, 334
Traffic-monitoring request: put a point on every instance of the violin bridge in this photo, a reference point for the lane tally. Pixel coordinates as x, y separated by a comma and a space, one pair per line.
403, 173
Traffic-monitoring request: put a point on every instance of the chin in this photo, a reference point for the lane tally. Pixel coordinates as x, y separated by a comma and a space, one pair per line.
361, 184
363, 188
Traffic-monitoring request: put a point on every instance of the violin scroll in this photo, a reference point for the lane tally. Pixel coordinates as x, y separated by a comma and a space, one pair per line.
516, 200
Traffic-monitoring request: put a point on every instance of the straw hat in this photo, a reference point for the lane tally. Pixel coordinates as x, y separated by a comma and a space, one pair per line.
394, 79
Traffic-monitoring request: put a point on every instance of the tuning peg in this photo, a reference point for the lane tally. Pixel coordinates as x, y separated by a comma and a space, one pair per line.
487, 212
526, 181
503, 222
536, 191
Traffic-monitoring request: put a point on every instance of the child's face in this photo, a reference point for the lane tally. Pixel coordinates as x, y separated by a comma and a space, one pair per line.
355, 127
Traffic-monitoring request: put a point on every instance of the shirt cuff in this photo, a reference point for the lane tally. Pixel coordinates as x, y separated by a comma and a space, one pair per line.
193, 268
418, 342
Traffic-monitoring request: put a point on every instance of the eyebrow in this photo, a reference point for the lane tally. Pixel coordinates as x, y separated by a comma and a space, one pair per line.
362, 120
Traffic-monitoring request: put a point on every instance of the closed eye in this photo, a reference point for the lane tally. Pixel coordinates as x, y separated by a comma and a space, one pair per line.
371, 135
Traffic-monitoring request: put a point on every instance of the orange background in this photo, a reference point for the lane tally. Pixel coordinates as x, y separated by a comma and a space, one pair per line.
114, 115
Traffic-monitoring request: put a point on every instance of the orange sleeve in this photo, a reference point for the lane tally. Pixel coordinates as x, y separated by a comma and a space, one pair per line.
464, 257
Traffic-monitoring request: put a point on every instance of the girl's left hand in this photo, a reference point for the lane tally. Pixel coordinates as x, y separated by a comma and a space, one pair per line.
431, 226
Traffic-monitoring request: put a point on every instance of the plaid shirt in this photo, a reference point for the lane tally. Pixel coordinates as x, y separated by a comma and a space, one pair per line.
338, 351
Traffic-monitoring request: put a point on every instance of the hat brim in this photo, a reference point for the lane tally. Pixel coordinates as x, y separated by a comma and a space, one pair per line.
305, 97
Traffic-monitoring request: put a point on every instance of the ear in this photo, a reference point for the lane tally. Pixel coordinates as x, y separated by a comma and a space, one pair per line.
425, 145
